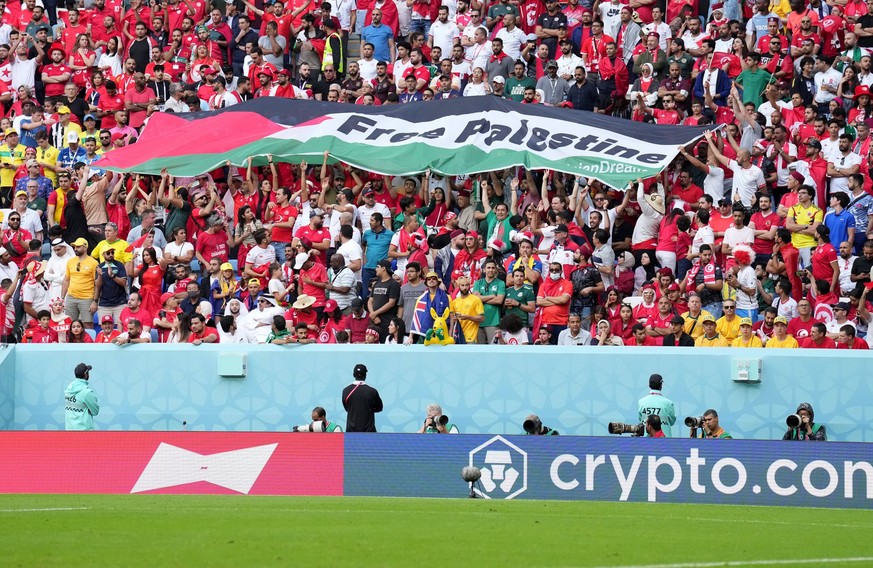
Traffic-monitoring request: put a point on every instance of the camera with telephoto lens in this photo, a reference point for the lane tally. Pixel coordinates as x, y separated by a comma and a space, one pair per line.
694, 421
532, 426
440, 420
318, 426
794, 421
622, 428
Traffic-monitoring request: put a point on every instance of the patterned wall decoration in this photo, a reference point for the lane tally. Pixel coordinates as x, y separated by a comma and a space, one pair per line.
483, 389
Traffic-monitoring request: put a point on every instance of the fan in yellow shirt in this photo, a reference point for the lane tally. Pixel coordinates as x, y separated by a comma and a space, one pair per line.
781, 339
710, 337
728, 325
747, 338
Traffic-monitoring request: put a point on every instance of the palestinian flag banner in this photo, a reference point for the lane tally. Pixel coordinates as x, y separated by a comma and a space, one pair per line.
450, 137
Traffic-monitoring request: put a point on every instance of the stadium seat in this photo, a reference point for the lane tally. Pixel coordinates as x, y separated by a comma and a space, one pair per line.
91, 333
235, 264
46, 251
195, 266
154, 334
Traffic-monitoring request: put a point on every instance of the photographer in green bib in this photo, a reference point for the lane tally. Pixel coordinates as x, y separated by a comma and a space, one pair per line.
659, 405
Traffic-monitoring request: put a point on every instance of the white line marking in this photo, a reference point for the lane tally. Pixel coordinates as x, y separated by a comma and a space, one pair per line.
46, 509
751, 563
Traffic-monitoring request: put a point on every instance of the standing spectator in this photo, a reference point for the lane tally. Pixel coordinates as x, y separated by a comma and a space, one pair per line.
467, 310
78, 289
553, 301
80, 402
491, 290
361, 402
383, 303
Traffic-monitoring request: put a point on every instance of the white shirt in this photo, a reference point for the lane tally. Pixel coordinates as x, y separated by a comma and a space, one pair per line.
37, 294
512, 41
734, 236
747, 279
830, 78
174, 250
788, 309
845, 265
478, 54
713, 184
259, 257
567, 64
564, 338
746, 182
841, 184
56, 270
364, 213
351, 251
704, 235
30, 221
444, 35
367, 68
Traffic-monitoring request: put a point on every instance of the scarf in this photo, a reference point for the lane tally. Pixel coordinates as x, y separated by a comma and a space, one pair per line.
708, 273
499, 57
468, 264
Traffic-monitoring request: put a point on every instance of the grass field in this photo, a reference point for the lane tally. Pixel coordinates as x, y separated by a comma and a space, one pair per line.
151, 530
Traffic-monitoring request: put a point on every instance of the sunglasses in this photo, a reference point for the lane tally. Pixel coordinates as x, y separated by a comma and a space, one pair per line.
729, 307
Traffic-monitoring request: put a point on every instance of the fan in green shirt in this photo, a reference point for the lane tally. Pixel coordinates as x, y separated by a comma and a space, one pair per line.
753, 80
491, 291
519, 299
517, 83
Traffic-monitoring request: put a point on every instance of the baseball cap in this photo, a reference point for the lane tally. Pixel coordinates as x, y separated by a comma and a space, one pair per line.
357, 303
63, 109
316, 213
746, 321
814, 142
10, 132
166, 296
677, 320
89, 117
707, 317
724, 201
3, 251
80, 242
842, 306
300, 260
330, 306
107, 319
82, 370
20, 192
779, 319
498, 79
226, 266
552, 63
562, 228
72, 137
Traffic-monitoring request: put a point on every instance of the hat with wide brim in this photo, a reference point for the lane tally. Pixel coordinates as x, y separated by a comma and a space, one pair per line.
303, 301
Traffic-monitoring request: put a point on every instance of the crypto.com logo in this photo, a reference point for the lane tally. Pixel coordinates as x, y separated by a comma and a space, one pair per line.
503, 466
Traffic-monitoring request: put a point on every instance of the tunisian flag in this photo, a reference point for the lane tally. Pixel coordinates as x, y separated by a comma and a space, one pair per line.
530, 11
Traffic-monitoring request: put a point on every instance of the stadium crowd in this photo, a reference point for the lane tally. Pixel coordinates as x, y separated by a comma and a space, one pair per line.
758, 236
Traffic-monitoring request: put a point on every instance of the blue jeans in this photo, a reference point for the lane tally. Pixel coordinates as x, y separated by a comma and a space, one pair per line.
422, 26
751, 314
367, 274
280, 251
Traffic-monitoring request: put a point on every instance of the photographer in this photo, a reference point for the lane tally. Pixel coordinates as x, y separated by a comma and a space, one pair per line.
436, 422
802, 426
533, 426
319, 423
656, 403
653, 427
709, 427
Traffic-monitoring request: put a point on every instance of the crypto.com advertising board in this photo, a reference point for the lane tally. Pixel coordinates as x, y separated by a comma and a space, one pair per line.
741, 472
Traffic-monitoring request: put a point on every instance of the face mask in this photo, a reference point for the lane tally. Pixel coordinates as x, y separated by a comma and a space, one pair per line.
555, 276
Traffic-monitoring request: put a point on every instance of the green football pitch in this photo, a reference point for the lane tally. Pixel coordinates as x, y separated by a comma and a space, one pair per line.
153, 530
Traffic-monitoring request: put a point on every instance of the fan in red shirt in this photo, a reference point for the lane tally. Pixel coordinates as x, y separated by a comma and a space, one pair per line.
108, 104
200, 332
847, 339
213, 242
107, 330
553, 301
824, 260
658, 325
639, 338
41, 332
818, 338
317, 234
56, 74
